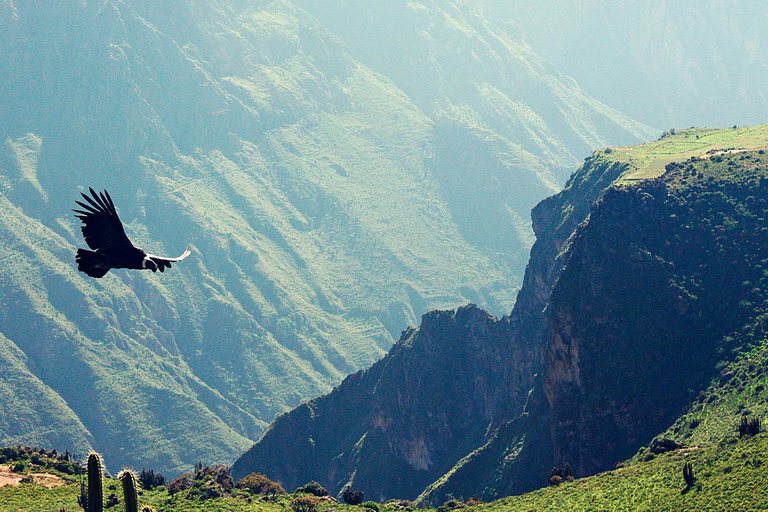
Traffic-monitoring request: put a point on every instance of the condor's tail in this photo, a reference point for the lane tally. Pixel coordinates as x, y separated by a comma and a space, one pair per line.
91, 263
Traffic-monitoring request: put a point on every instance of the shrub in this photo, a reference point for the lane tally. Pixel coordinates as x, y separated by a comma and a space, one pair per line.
27, 480
451, 504
305, 504
664, 444
371, 505
555, 480
256, 483
401, 504
313, 488
19, 467
352, 496
182, 483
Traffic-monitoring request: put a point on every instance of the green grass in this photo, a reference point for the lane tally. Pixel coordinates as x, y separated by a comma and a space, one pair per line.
35, 498
649, 160
730, 476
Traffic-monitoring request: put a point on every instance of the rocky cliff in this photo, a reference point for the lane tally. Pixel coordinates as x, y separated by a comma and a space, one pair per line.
392, 429
442, 389
659, 289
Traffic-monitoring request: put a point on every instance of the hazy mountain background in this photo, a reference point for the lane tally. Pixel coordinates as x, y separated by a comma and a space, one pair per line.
333, 185
667, 64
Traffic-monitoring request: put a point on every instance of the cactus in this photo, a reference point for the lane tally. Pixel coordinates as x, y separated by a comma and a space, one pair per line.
95, 501
130, 490
688, 475
749, 427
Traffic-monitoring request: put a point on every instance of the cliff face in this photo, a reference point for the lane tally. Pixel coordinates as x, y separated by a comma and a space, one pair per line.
662, 286
443, 388
663, 271
394, 428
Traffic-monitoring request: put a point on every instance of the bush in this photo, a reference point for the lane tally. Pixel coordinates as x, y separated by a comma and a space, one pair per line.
401, 504
371, 505
352, 496
256, 483
305, 504
313, 488
19, 467
555, 480
182, 483
661, 445
451, 504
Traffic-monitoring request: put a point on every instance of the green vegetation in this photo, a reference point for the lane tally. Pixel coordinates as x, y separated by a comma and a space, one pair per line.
650, 160
729, 476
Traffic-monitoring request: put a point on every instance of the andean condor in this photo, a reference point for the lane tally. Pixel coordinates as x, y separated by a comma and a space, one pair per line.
104, 233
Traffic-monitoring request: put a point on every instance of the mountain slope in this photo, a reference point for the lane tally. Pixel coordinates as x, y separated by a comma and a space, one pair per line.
625, 265
498, 108
660, 290
314, 193
393, 428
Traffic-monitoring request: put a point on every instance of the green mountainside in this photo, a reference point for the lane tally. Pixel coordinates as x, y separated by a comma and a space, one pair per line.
643, 298
325, 207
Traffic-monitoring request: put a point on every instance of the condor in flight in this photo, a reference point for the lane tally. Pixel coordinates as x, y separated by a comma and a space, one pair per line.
104, 233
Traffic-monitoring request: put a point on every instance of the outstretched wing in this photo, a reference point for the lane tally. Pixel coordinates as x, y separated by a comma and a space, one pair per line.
162, 262
102, 228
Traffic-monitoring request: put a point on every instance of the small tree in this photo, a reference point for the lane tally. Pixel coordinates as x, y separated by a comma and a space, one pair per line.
149, 479
352, 496
305, 504
568, 473
256, 483
749, 427
313, 488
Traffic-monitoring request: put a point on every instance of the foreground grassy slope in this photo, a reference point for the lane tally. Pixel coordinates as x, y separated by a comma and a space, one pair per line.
729, 476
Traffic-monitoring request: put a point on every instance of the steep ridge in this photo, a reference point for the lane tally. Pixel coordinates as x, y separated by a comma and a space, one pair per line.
659, 303
323, 439
310, 188
391, 429
551, 425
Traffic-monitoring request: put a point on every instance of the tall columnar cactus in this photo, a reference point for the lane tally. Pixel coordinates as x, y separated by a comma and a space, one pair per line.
688, 475
95, 484
130, 490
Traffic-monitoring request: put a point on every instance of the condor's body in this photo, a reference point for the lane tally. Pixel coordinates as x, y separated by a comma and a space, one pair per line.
103, 232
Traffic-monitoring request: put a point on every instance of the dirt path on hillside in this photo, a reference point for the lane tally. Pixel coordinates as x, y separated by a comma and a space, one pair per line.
8, 477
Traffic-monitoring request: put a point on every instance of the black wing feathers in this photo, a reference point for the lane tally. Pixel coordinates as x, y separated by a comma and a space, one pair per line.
101, 228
